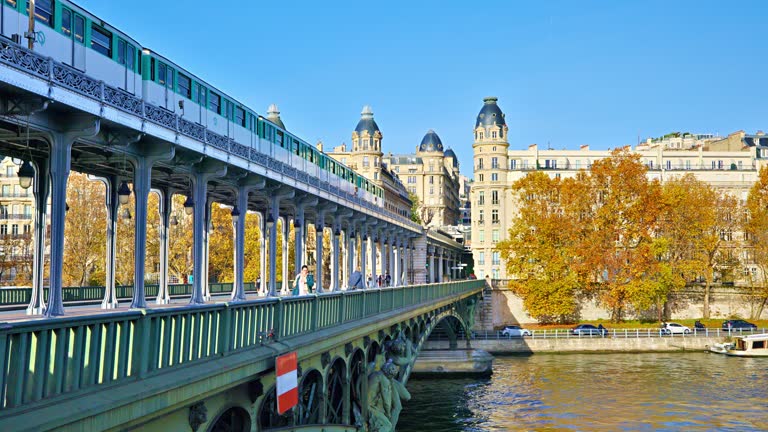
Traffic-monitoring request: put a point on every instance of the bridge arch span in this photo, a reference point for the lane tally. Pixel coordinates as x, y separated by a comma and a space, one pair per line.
233, 418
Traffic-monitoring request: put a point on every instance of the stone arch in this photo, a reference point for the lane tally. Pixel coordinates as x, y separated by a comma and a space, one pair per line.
232, 419
447, 326
373, 351
309, 410
337, 391
358, 384
267, 414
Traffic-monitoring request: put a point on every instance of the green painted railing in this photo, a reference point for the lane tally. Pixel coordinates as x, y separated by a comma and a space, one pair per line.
40, 359
22, 296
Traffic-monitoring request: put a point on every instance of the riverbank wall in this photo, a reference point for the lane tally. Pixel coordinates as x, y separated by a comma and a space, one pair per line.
501, 307
583, 345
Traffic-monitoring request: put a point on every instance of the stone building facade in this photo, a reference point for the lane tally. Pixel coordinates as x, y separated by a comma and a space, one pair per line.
366, 157
728, 165
16, 222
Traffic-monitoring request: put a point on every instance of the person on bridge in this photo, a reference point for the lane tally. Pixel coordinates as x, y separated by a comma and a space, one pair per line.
303, 283
356, 280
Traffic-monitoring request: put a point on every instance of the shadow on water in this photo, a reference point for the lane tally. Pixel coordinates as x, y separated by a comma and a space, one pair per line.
585, 392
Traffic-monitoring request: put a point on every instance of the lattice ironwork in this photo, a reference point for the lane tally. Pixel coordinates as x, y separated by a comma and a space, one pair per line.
77, 81
123, 101
26, 60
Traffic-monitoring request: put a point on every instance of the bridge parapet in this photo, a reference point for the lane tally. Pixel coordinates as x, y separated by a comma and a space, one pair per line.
42, 359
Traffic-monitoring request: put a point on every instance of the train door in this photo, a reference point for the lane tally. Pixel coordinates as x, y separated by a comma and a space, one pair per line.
201, 104
73, 26
126, 57
165, 79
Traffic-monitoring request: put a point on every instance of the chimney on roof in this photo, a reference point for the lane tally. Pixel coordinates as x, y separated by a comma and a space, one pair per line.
584, 147
533, 147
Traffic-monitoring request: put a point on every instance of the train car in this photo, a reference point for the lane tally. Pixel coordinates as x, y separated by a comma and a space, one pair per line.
75, 37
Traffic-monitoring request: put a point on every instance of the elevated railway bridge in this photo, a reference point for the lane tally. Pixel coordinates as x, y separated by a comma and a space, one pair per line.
208, 366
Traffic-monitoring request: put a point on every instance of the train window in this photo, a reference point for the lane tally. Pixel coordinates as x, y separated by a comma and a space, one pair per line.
169, 77
279, 138
201, 95
80, 29
215, 103
12, 3
66, 22
185, 86
161, 71
240, 116
152, 68
131, 59
101, 40
121, 48
43, 11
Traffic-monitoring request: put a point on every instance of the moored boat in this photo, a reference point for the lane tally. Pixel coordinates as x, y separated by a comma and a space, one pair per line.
720, 348
749, 346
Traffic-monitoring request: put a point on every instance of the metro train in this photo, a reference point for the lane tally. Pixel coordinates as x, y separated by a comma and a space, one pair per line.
73, 36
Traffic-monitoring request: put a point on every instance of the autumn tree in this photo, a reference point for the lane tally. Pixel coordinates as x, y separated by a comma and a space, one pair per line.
618, 246
252, 267
755, 227
541, 248
180, 236
221, 245
85, 232
684, 230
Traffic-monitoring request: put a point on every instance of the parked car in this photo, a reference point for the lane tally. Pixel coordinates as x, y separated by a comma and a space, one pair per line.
589, 330
674, 328
738, 324
515, 331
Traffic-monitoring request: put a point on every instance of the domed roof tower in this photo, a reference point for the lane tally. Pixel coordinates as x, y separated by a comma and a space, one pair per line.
367, 123
273, 115
431, 142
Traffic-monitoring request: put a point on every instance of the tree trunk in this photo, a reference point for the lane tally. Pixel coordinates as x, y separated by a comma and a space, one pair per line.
705, 312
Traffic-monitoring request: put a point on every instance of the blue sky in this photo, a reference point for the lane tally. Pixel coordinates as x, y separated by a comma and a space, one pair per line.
566, 72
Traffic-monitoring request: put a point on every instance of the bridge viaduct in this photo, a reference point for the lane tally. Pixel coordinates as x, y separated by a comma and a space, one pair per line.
205, 365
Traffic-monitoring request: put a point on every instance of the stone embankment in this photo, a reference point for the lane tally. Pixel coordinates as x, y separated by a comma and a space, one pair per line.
584, 344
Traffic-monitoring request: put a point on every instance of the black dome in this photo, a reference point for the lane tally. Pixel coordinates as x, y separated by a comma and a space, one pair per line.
490, 114
367, 123
431, 142
450, 153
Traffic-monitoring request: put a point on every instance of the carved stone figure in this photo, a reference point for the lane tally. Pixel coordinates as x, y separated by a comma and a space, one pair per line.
198, 414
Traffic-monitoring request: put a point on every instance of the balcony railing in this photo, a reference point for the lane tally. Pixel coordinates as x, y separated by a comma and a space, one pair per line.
15, 216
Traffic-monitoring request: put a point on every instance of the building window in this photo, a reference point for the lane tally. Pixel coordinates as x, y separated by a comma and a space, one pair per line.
495, 197
431, 190
577, 164
480, 216
496, 258
480, 177
669, 164
513, 164
494, 177
481, 258
15, 230
495, 236
366, 162
431, 179
481, 236
3, 229
493, 134
480, 163
101, 40
481, 198
494, 163
496, 274
494, 216
80, 29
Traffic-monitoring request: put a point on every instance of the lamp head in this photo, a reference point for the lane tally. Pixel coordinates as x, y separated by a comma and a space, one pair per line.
235, 214
26, 175
189, 205
123, 193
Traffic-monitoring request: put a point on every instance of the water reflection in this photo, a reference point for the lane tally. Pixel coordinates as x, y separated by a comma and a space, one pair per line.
585, 392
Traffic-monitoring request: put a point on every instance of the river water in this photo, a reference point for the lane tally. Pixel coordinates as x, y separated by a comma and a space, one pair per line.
597, 392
